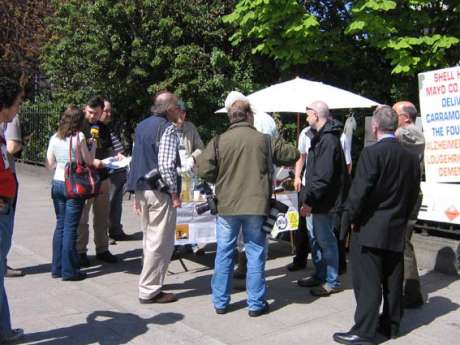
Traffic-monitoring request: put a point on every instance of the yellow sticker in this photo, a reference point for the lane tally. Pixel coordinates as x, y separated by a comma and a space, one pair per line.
293, 219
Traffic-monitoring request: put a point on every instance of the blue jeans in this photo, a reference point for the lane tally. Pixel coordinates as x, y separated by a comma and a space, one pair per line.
324, 250
68, 211
6, 232
228, 228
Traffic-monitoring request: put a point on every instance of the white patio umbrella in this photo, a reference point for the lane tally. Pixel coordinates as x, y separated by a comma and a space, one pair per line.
293, 97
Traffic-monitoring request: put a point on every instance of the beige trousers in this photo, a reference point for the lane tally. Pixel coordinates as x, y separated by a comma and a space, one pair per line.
101, 208
159, 228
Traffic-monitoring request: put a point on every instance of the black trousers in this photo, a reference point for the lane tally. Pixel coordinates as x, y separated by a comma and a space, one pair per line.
376, 273
302, 246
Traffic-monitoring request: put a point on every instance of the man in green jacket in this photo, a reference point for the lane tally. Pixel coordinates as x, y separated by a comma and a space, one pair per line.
238, 162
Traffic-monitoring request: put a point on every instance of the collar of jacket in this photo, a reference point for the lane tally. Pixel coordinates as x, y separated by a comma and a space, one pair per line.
385, 139
240, 124
331, 126
159, 115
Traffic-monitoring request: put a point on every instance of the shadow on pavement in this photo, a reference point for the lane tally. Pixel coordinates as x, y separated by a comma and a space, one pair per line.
103, 327
38, 269
435, 307
282, 289
128, 262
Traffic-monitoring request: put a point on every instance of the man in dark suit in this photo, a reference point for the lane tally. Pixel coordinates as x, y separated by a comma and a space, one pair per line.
381, 198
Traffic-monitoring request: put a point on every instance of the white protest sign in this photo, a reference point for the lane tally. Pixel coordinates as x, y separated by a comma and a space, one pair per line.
439, 93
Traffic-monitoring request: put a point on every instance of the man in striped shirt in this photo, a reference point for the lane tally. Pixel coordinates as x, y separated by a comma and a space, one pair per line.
117, 181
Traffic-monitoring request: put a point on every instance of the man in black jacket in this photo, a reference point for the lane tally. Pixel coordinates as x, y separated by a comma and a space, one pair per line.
94, 128
381, 198
325, 183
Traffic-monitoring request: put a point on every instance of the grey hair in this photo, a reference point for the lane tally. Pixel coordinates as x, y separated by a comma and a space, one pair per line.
164, 102
385, 118
240, 111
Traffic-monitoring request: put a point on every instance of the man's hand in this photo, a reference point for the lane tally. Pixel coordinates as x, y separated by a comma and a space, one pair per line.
305, 210
98, 164
120, 157
137, 207
175, 200
297, 184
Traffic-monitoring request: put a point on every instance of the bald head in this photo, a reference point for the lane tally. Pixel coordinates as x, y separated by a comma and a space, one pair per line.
317, 114
406, 111
321, 109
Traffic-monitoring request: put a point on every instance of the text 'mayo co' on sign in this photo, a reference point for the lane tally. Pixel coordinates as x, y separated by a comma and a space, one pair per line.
439, 93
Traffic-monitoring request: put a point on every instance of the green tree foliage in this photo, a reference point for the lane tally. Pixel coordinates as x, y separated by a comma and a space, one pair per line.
374, 47
414, 35
292, 33
128, 50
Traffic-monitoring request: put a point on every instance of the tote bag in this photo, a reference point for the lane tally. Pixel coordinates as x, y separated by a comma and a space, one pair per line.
81, 181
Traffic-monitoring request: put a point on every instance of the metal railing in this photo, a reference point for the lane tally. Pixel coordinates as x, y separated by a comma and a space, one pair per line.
38, 123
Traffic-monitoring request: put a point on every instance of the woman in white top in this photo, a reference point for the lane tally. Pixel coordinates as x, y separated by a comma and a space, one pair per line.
65, 263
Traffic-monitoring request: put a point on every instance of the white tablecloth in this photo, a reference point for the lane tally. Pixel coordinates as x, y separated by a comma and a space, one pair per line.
193, 228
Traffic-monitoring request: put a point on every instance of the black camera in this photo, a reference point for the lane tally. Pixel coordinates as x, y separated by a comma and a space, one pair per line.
211, 202
276, 207
153, 177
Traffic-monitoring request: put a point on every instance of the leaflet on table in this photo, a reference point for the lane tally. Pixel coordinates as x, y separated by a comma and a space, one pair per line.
113, 163
193, 228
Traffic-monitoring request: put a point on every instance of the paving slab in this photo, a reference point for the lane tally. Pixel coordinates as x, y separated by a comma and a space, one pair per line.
104, 309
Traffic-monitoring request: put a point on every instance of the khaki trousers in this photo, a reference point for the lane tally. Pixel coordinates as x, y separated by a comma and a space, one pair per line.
159, 228
412, 288
101, 209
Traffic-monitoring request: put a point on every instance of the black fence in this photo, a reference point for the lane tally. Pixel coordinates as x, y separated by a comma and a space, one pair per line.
38, 123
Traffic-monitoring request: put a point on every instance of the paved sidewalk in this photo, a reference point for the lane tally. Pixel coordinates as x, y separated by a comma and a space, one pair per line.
103, 309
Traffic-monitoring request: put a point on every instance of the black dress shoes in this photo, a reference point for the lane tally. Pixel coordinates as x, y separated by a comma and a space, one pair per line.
83, 260
107, 257
412, 303
351, 339
388, 331
120, 237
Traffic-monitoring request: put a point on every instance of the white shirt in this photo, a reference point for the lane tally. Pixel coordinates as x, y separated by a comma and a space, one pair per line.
346, 147
304, 146
60, 150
